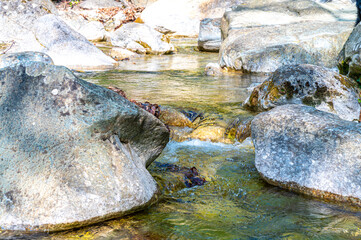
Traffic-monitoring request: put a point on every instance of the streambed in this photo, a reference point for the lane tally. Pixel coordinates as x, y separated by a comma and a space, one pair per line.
234, 203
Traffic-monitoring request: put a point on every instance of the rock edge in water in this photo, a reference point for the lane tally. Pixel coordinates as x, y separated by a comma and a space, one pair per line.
309, 151
71, 153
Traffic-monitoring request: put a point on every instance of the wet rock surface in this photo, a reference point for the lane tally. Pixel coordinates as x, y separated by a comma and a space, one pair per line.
260, 37
309, 85
187, 177
309, 151
72, 153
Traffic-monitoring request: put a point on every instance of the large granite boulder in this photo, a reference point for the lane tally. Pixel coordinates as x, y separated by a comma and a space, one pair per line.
309, 151
209, 38
310, 85
183, 17
262, 37
30, 26
72, 153
140, 38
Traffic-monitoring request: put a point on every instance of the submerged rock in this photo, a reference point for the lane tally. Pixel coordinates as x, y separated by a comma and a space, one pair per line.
266, 37
30, 26
121, 54
310, 85
140, 38
213, 69
72, 153
309, 151
209, 38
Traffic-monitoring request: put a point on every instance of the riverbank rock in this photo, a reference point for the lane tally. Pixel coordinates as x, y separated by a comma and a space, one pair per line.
141, 38
183, 16
262, 38
309, 151
209, 38
310, 85
72, 153
96, 4
349, 58
30, 26
92, 30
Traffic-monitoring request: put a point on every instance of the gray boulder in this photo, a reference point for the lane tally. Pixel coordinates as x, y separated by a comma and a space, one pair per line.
24, 57
266, 37
309, 151
72, 153
30, 26
349, 57
140, 38
209, 38
310, 85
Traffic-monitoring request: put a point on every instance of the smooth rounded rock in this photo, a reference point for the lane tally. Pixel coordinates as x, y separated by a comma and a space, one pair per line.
310, 85
265, 35
309, 151
72, 153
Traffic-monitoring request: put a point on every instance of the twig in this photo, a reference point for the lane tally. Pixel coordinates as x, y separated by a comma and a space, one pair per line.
8, 48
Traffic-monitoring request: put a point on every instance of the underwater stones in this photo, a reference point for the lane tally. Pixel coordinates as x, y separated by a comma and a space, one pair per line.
310, 85
305, 150
213, 69
266, 37
71, 153
173, 117
140, 38
209, 38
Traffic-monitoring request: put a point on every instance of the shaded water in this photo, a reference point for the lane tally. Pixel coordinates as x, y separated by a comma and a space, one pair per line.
234, 203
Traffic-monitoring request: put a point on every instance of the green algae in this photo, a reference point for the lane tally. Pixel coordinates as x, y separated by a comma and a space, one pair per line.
235, 203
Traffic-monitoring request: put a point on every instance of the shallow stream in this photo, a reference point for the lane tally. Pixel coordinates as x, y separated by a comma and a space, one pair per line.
234, 203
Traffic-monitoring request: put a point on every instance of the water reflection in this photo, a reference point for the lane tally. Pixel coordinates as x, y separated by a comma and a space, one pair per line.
234, 203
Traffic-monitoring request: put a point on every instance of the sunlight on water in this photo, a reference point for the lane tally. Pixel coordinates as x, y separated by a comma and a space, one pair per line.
234, 203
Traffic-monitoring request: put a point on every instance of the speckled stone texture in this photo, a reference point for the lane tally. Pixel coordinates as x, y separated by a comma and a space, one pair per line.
309, 151
71, 153
309, 85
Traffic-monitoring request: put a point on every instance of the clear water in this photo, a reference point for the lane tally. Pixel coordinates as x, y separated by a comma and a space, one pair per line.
234, 203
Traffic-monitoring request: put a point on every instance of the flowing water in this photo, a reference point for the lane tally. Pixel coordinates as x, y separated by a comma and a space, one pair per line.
234, 203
